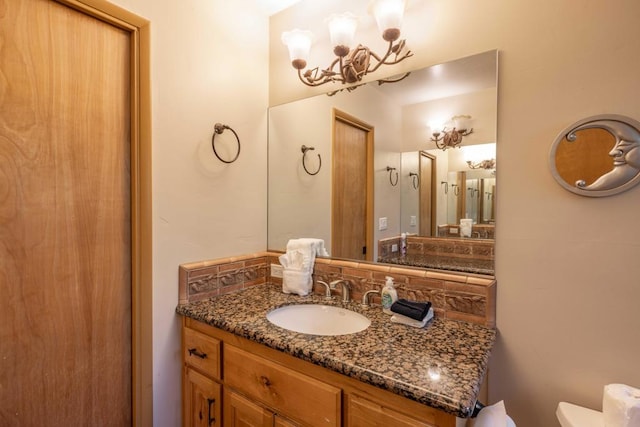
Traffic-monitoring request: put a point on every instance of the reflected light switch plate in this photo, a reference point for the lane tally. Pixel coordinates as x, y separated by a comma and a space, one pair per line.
382, 223
413, 220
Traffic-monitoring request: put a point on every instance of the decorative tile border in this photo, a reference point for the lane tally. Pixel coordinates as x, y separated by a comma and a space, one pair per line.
456, 296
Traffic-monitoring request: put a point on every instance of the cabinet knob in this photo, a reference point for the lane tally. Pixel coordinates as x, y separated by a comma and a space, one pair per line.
265, 381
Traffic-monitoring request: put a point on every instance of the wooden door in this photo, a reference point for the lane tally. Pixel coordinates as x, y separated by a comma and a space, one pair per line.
352, 189
427, 200
67, 222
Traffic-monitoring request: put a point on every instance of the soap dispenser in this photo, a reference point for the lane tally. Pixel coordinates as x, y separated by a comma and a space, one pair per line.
389, 295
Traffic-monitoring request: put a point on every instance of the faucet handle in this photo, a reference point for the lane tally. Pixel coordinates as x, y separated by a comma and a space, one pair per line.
327, 289
365, 296
345, 288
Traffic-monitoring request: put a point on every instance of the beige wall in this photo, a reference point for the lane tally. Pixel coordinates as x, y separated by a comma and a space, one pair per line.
567, 296
202, 208
567, 266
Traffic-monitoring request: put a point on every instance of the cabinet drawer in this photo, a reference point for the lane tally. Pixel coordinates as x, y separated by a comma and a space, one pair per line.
365, 413
201, 351
293, 394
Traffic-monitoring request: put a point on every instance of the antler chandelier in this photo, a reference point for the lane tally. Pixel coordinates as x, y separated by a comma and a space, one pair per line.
453, 137
351, 65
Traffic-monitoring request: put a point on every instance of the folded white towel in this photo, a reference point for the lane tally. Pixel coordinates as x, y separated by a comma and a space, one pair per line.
399, 318
296, 282
298, 264
317, 245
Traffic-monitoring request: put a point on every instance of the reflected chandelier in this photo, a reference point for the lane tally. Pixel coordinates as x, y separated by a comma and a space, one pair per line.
453, 138
351, 65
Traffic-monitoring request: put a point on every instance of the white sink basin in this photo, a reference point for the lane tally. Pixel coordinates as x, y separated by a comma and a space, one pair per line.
316, 319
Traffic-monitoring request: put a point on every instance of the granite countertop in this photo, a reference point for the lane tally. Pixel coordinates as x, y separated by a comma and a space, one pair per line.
465, 265
441, 365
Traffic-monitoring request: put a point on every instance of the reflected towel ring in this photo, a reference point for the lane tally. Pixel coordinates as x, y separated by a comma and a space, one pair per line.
446, 186
456, 189
304, 149
218, 129
390, 170
415, 180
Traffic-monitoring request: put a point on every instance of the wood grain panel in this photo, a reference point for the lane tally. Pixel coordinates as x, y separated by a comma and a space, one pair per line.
350, 191
587, 158
296, 395
241, 412
65, 235
366, 413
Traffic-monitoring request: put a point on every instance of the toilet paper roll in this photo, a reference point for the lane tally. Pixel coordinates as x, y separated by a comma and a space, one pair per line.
621, 406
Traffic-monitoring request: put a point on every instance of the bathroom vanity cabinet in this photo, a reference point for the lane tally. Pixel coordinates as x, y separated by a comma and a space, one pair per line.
233, 381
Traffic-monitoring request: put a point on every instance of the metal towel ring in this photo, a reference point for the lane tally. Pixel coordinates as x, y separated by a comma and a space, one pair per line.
218, 129
415, 180
304, 149
390, 170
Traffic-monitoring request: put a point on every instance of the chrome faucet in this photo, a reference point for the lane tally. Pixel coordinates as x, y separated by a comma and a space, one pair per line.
345, 288
365, 297
327, 289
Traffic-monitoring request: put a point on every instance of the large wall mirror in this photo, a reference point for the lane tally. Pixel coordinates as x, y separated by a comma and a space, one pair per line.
398, 180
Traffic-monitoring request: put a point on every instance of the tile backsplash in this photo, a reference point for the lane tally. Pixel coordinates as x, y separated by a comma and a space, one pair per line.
458, 296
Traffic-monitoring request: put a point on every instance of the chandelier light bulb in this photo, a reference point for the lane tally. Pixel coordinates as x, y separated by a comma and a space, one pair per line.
389, 15
299, 44
342, 30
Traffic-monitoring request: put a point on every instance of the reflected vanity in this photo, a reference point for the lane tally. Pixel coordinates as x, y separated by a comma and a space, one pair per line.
436, 187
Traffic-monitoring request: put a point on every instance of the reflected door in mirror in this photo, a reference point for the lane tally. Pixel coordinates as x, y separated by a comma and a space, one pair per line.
352, 188
427, 194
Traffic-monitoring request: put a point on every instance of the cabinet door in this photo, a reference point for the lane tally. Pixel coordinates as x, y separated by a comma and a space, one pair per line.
241, 412
365, 413
201, 400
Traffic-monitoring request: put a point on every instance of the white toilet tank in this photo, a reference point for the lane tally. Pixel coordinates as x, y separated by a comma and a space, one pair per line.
571, 415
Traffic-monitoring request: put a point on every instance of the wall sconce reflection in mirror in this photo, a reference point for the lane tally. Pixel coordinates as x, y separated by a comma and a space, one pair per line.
597, 156
350, 65
304, 149
415, 180
218, 130
390, 170
482, 164
452, 137
480, 156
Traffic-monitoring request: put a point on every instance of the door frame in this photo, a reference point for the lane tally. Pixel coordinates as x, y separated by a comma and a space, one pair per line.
141, 206
354, 121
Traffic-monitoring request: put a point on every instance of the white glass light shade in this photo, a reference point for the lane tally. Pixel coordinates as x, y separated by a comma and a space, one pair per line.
388, 15
299, 44
342, 30
462, 122
478, 153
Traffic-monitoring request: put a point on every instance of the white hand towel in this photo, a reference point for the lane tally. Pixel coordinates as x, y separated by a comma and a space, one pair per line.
399, 318
296, 282
298, 264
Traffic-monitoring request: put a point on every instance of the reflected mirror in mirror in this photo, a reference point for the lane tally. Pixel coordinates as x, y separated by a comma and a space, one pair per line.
598, 156
385, 126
